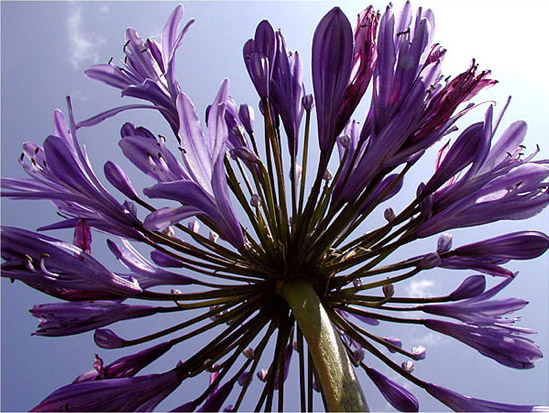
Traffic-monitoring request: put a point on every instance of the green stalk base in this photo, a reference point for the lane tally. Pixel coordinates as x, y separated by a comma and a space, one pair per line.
340, 387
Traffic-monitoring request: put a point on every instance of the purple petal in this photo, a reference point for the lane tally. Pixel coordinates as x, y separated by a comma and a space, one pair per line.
118, 178
142, 393
470, 287
461, 403
63, 319
165, 217
331, 64
398, 396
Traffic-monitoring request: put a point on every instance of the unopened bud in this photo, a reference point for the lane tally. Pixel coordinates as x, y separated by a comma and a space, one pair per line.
345, 141
408, 366
358, 356
308, 102
394, 341
246, 116
168, 231
327, 175
118, 178
357, 282
255, 201
419, 352
470, 287
429, 261
262, 375
389, 214
388, 290
249, 353
175, 291
243, 378
214, 317
444, 243
213, 236
193, 225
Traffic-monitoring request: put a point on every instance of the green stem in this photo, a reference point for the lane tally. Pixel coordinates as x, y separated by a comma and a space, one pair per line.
334, 369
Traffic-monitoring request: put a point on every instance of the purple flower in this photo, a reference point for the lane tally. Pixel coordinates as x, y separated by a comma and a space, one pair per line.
410, 108
503, 343
207, 188
486, 256
150, 155
298, 261
363, 64
479, 309
64, 319
259, 57
215, 400
143, 270
461, 403
141, 393
470, 287
60, 171
60, 268
521, 245
148, 70
498, 185
127, 366
399, 397
332, 63
287, 90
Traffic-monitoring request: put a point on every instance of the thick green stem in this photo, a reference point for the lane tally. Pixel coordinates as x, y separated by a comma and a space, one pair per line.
340, 387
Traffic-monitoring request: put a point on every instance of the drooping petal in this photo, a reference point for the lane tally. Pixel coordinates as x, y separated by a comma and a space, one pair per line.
141, 393
461, 403
398, 396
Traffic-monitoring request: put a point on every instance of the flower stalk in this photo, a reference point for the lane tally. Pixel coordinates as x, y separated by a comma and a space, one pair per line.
340, 387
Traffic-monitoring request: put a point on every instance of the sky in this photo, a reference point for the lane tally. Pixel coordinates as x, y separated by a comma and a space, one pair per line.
45, 47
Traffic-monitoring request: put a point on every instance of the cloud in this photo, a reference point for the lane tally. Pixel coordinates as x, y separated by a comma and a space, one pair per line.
421, 288
83, 44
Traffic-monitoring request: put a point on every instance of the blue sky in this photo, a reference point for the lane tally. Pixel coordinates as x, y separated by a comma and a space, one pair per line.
47, 45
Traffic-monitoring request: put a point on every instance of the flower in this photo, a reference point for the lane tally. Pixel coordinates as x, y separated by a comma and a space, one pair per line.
264, 259
462, 403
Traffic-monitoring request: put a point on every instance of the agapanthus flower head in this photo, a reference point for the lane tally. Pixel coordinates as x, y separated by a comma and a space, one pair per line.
266, 255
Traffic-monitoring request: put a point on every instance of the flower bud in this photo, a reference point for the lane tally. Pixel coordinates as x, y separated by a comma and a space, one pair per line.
118, 178
249, 353
193, 225
418, 352
255, 201
327, 175
358, 356
429, 261
470, 287
444, 243
388, 291
262, 375
214, 237
394, 341
308, 102
106, 338
389, 214
408, 366
345, 141
246, 115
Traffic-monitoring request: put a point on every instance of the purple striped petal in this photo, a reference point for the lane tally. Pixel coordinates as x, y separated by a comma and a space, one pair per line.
164, 217
398, 396
331, 68
142, 393
461, 403
64, 319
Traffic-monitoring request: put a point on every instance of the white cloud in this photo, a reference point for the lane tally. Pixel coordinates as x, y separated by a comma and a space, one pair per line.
83, 44
421, 288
